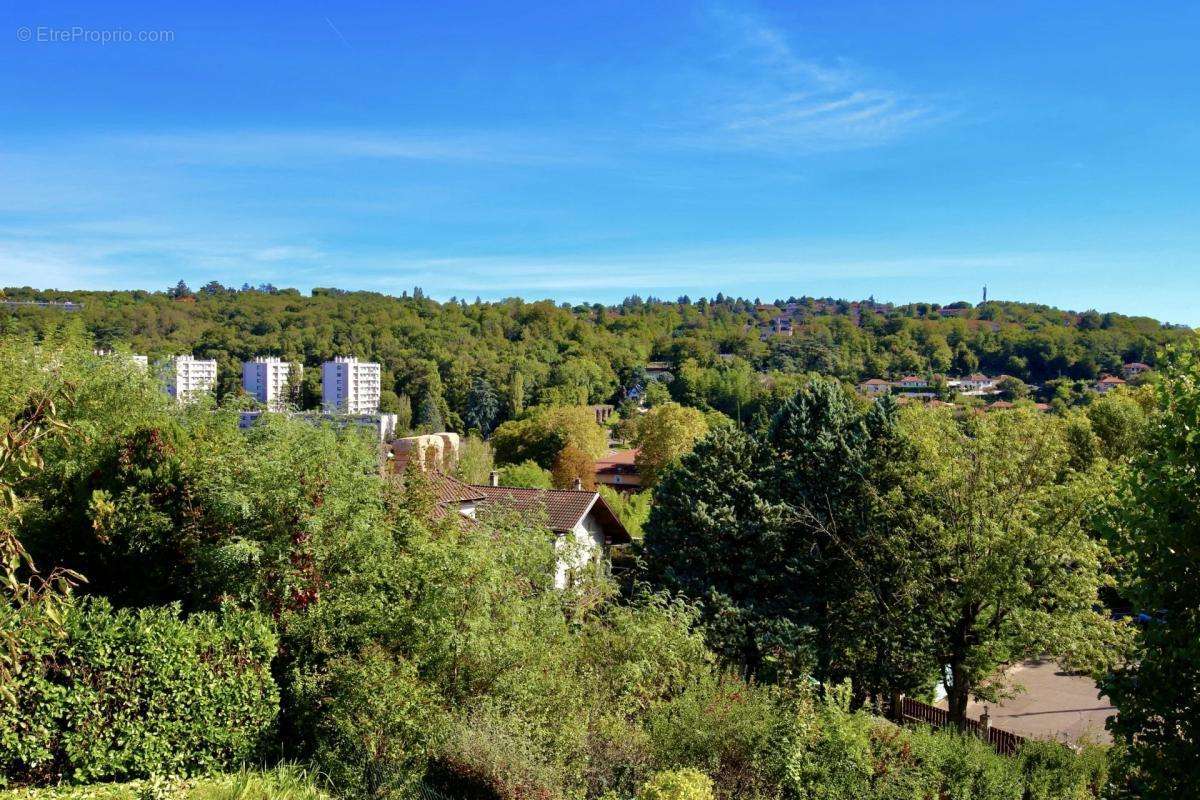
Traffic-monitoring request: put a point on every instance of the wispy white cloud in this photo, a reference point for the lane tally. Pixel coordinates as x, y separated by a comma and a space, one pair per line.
762, 94
279, 147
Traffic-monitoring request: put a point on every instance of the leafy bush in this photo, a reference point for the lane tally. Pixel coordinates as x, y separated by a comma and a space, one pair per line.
494, 755
680, 784
285, 782
832, 759
132, 693
377, 726
842, 754
739, 733
526, 475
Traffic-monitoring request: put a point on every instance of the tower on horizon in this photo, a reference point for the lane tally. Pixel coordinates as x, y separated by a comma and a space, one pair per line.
985, 293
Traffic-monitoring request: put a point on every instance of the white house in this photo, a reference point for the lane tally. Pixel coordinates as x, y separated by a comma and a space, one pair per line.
584, 527
350, 386
977, 384
265, 379
186, 377
1108, 383
911, 383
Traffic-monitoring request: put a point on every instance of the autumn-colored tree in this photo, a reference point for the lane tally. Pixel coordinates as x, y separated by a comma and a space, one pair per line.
573, 464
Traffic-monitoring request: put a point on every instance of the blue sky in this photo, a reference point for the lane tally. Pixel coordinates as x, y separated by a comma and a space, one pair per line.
590, 150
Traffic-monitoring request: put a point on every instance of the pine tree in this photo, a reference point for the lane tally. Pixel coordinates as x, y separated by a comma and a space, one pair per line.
483, 407
429, 416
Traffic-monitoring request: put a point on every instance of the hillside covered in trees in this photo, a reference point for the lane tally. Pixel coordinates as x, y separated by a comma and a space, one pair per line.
729, 351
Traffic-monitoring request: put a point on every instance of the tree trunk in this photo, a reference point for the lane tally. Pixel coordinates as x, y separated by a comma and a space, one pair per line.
957, 695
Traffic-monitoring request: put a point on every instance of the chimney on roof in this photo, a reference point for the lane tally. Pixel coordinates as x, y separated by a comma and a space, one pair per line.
494, 478
578, 484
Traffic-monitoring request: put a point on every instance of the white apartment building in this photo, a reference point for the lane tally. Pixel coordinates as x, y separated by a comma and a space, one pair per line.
265, 379
186, 377
350, 386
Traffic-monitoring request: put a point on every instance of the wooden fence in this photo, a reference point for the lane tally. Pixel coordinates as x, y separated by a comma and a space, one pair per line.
1005, 742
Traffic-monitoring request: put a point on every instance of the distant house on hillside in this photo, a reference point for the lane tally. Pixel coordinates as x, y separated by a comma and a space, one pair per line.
1108, 383
585, 528
1133, 370
874, 386
977, 383
658, 369
911, 383
619, 470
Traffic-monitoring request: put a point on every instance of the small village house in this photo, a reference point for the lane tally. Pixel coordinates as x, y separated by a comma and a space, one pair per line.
874, 387
619, 471
1134, 369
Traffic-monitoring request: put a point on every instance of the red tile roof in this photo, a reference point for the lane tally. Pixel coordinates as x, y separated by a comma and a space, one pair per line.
447, 490
617, 458
564, 508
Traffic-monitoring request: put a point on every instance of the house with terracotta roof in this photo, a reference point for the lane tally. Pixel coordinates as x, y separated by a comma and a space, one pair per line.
977, 383
584, 527
1108, 383
874, 386
911, 383
619, 471
1134, 369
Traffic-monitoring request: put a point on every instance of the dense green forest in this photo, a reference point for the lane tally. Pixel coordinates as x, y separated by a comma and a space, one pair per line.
726, 350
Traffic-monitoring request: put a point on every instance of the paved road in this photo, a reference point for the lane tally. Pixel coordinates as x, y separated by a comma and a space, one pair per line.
1053, 705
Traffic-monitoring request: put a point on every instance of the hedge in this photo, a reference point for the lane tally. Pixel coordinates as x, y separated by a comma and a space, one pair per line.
138, 692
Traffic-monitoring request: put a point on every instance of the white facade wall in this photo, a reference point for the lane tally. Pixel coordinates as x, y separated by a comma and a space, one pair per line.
350, 386
187, 377
265, 379
578, 550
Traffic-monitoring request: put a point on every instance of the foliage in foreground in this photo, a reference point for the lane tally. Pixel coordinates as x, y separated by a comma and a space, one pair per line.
285, 782
1158, 694
409, 647
133, 693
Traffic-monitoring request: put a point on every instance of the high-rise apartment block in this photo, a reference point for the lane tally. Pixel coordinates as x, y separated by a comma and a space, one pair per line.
350, 386
187, 377
265, 379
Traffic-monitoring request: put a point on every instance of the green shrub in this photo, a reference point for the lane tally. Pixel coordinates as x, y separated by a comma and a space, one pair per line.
1051, 771
737, 732
680, 784
285, 782
969, 768
132, 693
490, 754
832, 759
377, 727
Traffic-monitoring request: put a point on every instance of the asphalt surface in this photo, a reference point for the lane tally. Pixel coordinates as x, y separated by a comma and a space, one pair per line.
1054, 705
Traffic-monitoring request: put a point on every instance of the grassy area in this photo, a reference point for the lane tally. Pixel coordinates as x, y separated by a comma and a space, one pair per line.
282, 783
